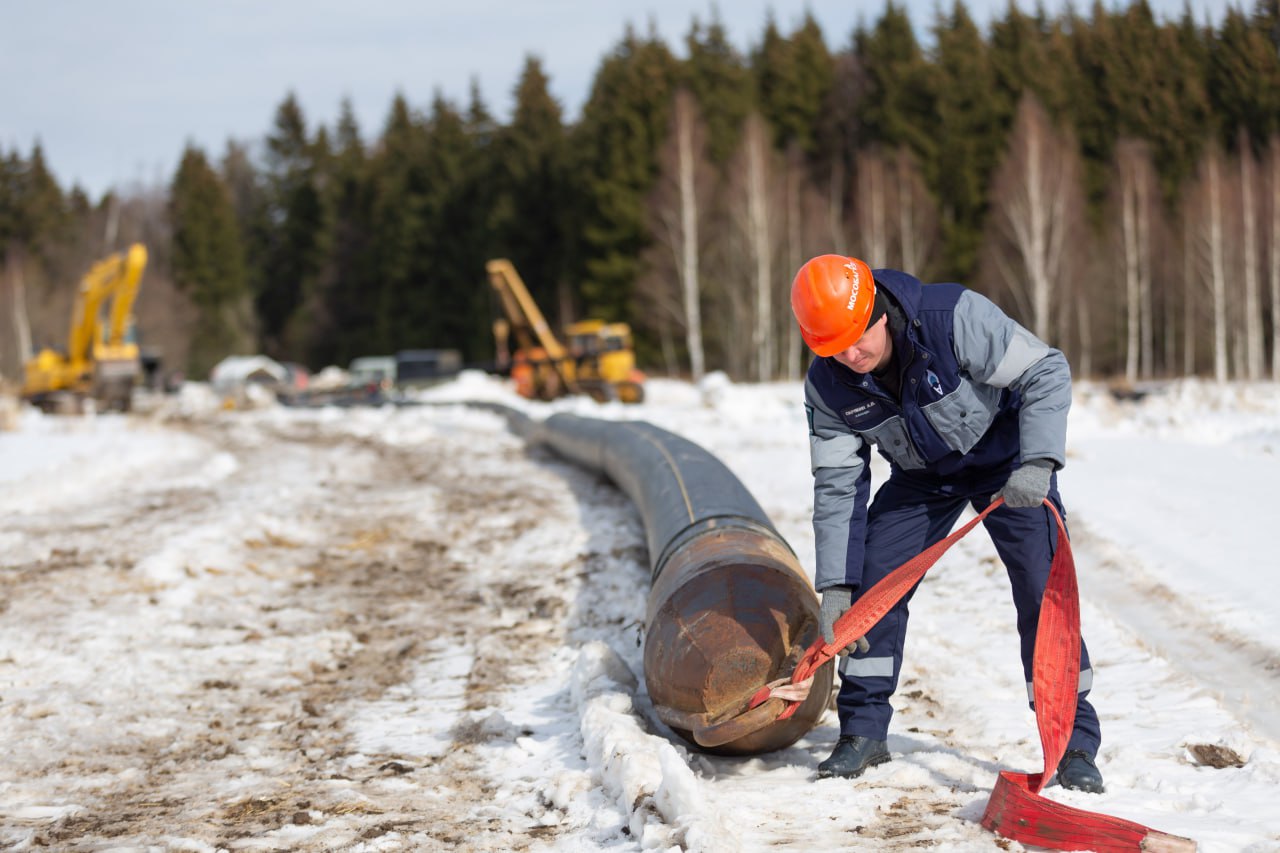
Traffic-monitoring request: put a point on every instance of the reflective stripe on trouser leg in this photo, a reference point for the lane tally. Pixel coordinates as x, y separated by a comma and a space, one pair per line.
1085, 685
1025, 539
868, 667
901, 522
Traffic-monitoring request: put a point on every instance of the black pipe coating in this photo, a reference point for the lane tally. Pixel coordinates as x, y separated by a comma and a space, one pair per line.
681, 489
729, 608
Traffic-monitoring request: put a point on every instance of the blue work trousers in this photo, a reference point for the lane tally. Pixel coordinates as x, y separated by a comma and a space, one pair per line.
904, 519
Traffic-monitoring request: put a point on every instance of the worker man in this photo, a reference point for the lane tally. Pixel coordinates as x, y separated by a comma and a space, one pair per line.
966, 405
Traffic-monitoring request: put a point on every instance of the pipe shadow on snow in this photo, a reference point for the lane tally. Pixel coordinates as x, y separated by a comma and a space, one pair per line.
609, 606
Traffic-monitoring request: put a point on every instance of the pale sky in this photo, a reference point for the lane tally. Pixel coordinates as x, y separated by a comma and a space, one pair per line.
114, 90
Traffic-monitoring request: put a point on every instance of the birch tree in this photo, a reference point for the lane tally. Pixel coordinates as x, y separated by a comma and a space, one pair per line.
1136, 188
673, 285
761, 245
1249, 257
687, 158
806, 214
835, 209
1036, 214
1205, 216
18, 287
755, 199
1190, 290
1272, 190
795, 188
871, 208
895, 217
918, 234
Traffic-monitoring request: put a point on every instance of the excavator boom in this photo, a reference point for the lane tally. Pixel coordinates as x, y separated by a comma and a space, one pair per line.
114, 278
546, 370
100, 360
527, 322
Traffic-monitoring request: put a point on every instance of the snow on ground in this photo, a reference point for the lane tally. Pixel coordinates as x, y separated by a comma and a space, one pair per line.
397, 628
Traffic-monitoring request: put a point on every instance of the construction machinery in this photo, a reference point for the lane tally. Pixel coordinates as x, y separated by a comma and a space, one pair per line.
599, 359
102, 361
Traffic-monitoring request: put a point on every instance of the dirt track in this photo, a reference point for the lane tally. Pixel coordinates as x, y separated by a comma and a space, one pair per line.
221, 718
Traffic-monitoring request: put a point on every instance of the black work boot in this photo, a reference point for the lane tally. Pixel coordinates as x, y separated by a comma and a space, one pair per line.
852, 755
1077, 771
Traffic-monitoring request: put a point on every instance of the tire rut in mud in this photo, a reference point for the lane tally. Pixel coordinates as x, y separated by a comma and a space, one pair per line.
1237, 669
394, 589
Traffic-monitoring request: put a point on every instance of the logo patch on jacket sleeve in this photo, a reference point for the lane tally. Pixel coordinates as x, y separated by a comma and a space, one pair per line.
808, 412
868, 410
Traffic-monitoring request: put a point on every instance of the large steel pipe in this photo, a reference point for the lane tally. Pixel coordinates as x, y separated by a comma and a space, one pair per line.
729, 607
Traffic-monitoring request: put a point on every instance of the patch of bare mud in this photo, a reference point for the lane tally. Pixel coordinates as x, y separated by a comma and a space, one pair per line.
375, 590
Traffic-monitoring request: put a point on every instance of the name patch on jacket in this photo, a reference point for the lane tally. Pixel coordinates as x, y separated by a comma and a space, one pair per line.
868, 410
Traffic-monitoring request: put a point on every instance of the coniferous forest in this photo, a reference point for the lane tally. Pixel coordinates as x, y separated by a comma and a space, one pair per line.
1110, 178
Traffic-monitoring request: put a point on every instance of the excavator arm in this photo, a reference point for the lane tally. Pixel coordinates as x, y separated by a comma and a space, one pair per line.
100, 361
527, 323
531, 330
116, 279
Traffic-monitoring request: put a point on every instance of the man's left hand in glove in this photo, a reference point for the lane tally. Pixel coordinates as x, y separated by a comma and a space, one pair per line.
1028, 485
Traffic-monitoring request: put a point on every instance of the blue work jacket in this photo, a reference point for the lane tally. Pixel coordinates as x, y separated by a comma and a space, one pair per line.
979, 395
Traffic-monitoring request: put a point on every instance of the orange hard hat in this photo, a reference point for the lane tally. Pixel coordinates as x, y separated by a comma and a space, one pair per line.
832, 298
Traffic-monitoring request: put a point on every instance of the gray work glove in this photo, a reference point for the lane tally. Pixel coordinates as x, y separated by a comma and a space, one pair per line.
1028, 485
835, 601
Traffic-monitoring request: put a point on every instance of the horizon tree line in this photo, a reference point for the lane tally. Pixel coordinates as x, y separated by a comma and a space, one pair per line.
1113, 181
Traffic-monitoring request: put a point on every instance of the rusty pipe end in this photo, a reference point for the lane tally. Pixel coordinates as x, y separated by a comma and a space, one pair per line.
729, 613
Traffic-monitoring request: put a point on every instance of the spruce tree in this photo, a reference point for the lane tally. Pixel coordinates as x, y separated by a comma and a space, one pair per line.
1244, 73
616, 158
297, 236
813, 76
969, 120
1185, 127
838, 135
1153, 90
451, 271
793, 78
246, 189
10, 176
1022, 59
475, 203
400, 222
532, 201
45, 265
897, 103
717, 75
42, 216
208, 263
348, 285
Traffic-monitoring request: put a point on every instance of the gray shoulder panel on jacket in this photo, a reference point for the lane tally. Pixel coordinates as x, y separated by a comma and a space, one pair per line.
995, 350
990, 346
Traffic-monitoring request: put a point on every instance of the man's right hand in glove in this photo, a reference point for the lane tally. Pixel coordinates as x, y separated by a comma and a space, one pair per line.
835, 601
1028, 485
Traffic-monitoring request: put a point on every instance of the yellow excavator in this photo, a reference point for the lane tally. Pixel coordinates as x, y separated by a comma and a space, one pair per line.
102, 361
599, 361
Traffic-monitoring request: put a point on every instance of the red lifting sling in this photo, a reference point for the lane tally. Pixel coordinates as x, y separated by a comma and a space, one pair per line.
1016, 810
